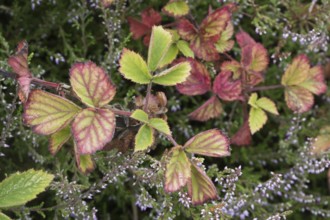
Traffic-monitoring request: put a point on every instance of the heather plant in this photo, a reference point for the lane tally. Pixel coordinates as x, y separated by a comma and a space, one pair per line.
218, 112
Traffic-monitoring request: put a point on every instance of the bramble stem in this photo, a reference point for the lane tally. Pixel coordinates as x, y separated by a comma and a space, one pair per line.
145, 107
262, 88
171, 139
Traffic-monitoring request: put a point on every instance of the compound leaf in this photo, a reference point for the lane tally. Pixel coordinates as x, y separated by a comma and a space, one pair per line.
91, 84
174, 75
160, 125
177, 171
211, 143
160, 42
134, 68
48, 113
144, 138
200, 186
19, 188
92, 129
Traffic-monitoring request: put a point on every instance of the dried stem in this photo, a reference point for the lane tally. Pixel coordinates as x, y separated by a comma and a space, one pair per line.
262, 88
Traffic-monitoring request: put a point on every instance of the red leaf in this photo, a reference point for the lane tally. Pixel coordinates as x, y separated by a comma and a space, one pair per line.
227, 88
315, 81
243, 135
19, 64
149, 17
244, 39
255, 57
186, 29
92, 129
205, 48
210, 109
234, 67
199, 80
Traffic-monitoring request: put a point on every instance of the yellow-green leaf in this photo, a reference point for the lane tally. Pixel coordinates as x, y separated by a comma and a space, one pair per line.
134, 68
160, 42
170, 56
19, 188
144, 138
48, 113
160, 125
253, 100
297, 72
176, 8
59, 138
140, 115
4, 217
184, 48
298, 99
174, 75
211, 143
91, 84
177, 171
200, 186
267, 105
257, 119
92, 129
321, 143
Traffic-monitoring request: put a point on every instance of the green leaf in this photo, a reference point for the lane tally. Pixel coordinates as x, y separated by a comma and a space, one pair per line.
4, 217
48, 113
174, 75
134, 68
92, 129
170, 56
160, 42
184, 48
91, 84
267, 105
200, 186
176, 8
144, 138
160, 125
58, 139
211, 143
19, 188
253, 100
140, 115
257, 119
177, 171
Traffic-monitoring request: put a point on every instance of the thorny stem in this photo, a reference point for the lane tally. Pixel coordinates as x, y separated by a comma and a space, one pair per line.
145, 107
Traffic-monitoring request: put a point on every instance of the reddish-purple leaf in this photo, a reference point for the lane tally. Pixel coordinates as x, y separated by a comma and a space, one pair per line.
19, 64
211, 143
186, 29
199, 80
244, 39
315, 81
150, 17
200, 186
227, 88
92, 129
210, 109
255, 57
298, 99
234, 67
177, 171
91, 84
243, 136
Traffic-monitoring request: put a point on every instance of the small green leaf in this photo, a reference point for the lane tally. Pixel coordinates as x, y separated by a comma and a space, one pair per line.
267, 105
58, 139
176, 8
133, 67
174, 75
184, 48
211, 143
170, 56
177, 171
200, 186
48, 113
257, 119
160, 42
4, 217
19, 188
144, 138
253, 100
160, 125
140, 115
